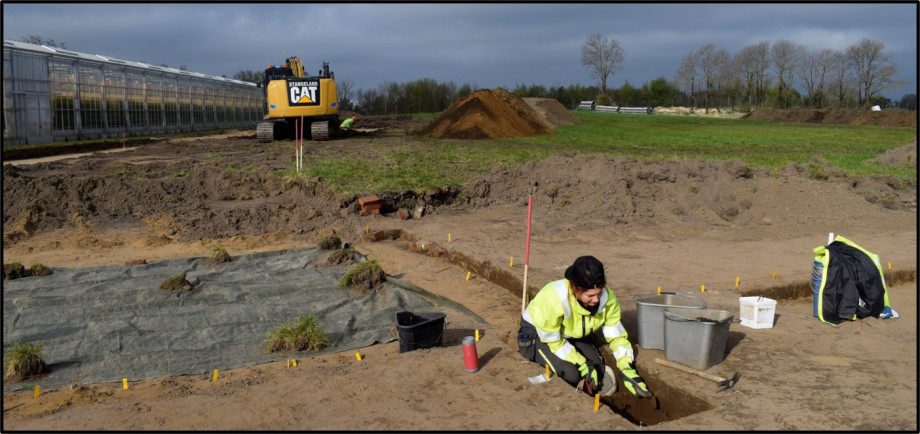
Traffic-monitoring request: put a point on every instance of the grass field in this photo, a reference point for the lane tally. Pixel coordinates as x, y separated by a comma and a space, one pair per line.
426, 163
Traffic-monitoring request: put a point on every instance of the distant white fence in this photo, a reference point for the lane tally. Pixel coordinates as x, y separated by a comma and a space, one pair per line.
589, 105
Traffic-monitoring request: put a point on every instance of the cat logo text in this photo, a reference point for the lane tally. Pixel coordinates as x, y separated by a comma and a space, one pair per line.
303, 92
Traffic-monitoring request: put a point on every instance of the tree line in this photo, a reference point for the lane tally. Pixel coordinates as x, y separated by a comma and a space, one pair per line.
784, 74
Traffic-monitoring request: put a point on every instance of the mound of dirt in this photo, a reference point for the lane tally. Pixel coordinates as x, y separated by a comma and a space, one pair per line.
885, 118
488, 114
634, 192
554, 112
684, 193
904, 156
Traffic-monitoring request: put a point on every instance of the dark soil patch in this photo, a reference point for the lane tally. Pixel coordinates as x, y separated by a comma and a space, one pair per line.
76, 148
885, 118
341, 257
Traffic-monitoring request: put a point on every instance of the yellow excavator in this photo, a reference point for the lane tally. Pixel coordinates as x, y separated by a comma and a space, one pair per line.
291, 96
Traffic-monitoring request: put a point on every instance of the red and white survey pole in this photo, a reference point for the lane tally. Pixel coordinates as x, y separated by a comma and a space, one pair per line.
527, 253
296, 151
298, 144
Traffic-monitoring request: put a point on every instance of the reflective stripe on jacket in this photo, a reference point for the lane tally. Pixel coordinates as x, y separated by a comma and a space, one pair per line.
557, 314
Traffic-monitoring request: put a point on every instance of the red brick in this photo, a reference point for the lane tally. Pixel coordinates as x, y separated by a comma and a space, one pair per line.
403, 213
369, 203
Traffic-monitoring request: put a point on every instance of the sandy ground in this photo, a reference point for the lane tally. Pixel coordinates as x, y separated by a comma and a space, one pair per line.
798, 375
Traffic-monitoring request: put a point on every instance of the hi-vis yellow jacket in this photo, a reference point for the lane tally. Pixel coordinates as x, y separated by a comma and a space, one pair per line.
556, 315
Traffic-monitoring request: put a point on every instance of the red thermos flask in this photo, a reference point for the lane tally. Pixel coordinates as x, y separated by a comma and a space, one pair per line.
470, 358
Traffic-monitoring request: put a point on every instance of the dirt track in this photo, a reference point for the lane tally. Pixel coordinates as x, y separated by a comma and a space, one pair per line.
177, 198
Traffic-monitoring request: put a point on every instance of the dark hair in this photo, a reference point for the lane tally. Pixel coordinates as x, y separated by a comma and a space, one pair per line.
586, 273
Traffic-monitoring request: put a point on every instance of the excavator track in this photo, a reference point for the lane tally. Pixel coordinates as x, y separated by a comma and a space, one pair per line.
265, 131
319, 130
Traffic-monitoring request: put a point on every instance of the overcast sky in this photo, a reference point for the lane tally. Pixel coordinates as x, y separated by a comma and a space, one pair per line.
485, 45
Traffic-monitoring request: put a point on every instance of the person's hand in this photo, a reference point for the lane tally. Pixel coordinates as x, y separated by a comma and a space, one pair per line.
589, 374
634, 383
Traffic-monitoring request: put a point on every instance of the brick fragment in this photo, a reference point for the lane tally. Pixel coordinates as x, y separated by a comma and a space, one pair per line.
369, 203
403, 213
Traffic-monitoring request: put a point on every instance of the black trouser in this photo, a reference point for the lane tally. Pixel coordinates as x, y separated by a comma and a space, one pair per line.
533, 349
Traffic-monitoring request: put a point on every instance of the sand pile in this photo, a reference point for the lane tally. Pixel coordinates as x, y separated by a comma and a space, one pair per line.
553, 111
488, 114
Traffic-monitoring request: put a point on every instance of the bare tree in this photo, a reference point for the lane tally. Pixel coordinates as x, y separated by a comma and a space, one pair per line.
784, 55
722, 74
745, 71
752, 63
875, 71
38, 40
813, 70
345, 88
761, 52
687, 74
604, 57
707, 72
841, 79
249, 76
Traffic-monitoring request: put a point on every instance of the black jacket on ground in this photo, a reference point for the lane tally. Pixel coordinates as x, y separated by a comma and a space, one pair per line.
851, 275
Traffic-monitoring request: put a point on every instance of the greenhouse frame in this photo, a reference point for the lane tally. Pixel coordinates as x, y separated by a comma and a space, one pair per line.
52, 94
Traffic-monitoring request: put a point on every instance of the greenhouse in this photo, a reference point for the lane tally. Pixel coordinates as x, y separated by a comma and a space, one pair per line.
53, 94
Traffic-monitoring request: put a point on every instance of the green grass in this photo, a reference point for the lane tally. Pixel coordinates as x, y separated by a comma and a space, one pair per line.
424, 163
176, 283
305, 334
218, 255
367, 274
23, 360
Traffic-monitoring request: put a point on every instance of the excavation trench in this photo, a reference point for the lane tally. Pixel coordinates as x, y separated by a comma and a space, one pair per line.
669, 403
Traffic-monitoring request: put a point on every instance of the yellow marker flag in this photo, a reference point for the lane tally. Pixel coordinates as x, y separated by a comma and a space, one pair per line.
774, 274
124, 383
702, 288
737, 280
36, 391
294, 361
511, 262
215, 376
289, 362
477, 335
448, 237
889, 265
659, 290
367, 229
468, 275
597, 401
358, 356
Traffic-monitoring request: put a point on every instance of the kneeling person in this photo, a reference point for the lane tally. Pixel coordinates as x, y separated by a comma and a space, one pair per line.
560, 324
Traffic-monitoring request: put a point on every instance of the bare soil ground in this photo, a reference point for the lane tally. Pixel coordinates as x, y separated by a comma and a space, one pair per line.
674, 225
